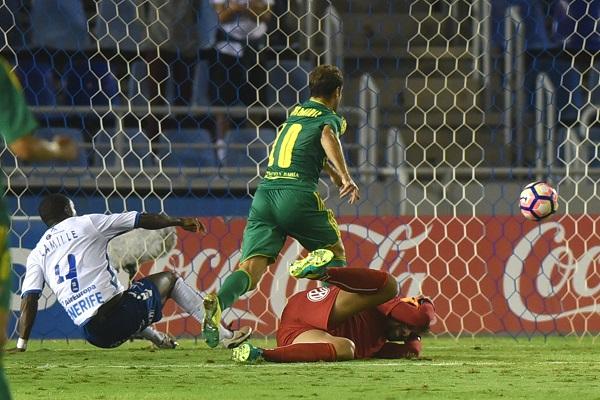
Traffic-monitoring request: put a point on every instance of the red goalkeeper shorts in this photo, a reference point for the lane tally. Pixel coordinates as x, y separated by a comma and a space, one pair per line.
306, 310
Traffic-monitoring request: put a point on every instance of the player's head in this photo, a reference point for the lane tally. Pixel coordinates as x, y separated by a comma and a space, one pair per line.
55, 208
400, 331
417, 315
326, 82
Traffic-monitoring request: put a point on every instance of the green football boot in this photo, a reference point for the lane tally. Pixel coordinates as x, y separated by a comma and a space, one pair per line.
312, 266
246, 353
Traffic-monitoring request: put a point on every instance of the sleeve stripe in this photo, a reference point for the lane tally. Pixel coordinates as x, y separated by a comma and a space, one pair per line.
137, 220
32, 291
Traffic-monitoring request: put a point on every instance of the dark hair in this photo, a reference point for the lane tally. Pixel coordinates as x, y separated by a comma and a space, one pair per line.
54, 208
324, 80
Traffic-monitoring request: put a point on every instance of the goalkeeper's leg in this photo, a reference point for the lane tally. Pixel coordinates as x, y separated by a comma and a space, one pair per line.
310, 346
361, 288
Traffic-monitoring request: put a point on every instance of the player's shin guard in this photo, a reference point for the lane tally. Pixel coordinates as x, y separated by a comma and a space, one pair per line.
301, 352
357, 280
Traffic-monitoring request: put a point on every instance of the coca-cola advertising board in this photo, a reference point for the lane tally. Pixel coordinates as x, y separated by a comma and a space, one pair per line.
485, 274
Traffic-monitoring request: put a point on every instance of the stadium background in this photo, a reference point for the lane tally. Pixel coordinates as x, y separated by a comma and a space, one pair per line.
452, 107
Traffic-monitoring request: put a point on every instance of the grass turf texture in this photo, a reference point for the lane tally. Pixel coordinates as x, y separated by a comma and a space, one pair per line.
552, 368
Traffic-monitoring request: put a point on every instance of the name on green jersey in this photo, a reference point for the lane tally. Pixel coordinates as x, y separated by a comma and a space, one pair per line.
305, 112
281, 175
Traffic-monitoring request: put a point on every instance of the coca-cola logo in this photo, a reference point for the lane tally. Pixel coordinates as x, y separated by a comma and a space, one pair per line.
560, 272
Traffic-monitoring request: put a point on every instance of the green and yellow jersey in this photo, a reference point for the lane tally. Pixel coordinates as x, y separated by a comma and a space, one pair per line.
16, 121
296, 158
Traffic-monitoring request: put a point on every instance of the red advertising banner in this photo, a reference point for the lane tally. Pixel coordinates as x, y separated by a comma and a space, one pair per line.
485, 274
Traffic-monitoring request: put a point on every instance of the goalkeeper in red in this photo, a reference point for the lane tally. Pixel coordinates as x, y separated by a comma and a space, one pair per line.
286, 202
361, 317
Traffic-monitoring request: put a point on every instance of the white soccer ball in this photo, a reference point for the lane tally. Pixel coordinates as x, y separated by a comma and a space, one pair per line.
538, 200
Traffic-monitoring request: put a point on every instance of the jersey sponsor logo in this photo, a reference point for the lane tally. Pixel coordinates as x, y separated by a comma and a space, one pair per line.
317, 294
91, 302
85, 291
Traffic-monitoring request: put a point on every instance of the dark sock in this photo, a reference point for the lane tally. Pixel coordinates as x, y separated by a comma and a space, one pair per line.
357, 280
301, 352
234, 286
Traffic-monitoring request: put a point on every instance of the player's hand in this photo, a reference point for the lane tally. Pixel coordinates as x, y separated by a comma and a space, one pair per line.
193, 225
349, 188
67, 148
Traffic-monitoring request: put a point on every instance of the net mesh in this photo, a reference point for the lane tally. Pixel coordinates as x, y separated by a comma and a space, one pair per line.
452, 107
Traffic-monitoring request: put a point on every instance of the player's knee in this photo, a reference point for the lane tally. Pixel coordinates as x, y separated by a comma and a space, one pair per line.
165, 281
344, 349
170, 277
390, 288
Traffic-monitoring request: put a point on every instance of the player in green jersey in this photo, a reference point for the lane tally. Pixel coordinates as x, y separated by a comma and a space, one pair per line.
286, 202
16, 125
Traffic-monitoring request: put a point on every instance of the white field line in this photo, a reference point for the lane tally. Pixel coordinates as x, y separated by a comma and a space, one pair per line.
351, 365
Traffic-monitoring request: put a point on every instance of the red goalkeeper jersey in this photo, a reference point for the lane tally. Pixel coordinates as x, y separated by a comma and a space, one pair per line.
308, 310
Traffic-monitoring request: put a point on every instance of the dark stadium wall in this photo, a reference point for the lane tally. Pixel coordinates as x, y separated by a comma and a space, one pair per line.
174, 205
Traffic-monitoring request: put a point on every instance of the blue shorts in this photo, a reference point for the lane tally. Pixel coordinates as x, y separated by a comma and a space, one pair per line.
139, 307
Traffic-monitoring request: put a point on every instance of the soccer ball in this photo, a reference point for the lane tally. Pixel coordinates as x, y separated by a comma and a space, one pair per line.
538, 201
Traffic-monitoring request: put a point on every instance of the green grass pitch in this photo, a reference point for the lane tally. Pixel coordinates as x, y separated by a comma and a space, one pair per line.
552, 368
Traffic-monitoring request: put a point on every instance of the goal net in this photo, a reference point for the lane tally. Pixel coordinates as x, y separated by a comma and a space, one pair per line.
452, 108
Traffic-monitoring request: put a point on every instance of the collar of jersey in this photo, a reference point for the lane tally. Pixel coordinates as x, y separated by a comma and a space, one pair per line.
319, 102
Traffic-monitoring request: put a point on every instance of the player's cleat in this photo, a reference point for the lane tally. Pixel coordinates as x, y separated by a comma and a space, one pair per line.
212, 319
312, 266
167, 342
246, 353
239, 337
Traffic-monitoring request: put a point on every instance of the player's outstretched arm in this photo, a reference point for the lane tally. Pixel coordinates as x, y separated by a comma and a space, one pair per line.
333, 150
29, 307
157, 221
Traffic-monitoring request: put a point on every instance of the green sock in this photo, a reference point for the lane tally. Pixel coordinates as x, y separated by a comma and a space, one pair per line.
337, 262
234, 286
4, 392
